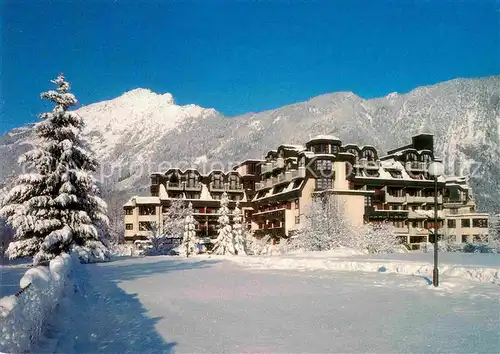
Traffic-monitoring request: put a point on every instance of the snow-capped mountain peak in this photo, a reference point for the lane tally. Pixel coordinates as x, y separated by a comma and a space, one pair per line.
137, 117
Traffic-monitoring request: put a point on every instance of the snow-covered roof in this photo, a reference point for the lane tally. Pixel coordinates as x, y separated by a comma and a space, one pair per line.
324, 137
292, 147
147, 200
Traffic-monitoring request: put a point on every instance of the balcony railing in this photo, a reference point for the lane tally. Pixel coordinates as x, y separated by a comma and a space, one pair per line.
179, 186
422, 199
193, 187
394, 198
235, 187
216, 187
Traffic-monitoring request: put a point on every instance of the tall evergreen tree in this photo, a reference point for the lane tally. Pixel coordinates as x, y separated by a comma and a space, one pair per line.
189, 239
224, 244
56, 208
239, 232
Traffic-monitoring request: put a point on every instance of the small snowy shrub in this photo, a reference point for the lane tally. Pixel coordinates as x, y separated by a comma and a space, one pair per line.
379, 238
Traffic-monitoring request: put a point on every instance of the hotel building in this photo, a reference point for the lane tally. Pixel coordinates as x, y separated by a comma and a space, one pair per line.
274, 192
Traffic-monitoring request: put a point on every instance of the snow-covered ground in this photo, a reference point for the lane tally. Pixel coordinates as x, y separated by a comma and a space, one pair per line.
211, 305
481, 267
10, 274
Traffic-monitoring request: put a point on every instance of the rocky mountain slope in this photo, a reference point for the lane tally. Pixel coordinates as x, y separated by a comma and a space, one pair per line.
142, 132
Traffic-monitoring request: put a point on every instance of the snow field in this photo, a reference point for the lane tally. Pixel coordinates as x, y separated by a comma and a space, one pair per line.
22, 317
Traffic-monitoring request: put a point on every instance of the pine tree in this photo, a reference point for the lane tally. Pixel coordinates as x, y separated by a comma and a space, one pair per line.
56, 208
224, 244
189, 241
239, 232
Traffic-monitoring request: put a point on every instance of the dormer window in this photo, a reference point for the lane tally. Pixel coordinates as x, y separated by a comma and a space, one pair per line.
426, 160
217, 180
233, 181
410, 157
302, 162
192, 179
369, 155
335, 149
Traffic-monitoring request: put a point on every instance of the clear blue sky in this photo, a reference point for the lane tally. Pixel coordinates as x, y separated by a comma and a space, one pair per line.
239, 56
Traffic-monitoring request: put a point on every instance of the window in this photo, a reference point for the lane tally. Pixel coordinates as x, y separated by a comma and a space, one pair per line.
296, 204
154, 180
465, 222
368, 200
192, 195
335, 149
297, 220
216, 196
129, 211
483, 223
322, 165
324, 183
321, 149
191, 181
466, 239
129, 226
147, 210
154, 193
452, 223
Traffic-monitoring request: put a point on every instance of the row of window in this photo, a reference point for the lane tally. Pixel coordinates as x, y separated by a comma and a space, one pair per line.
480, 223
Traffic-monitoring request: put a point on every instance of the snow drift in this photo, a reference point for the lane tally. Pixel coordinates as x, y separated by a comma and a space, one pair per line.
22, 316
399, 263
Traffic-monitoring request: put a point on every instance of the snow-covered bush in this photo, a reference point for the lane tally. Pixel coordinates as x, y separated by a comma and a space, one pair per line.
239, 232
22, 317
57, 205
444, 246
325, 227
258, 246
224, 244
379, 238
189, 240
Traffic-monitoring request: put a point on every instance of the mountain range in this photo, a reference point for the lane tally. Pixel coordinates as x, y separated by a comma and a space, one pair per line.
141, 132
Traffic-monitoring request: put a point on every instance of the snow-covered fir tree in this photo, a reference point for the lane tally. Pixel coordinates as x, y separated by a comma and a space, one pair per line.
379, 238
325, 227
189, 240
174, 218
224, 244
239, 231
56, 208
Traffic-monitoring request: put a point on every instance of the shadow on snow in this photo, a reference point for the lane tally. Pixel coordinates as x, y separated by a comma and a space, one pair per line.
101, 317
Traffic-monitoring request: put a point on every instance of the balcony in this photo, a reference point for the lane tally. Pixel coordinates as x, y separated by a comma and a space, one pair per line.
415, 166
401, 230
300, 173
267, 167
193, 187
420, 199
175, 186
216, 187
279, 163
